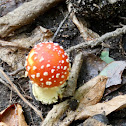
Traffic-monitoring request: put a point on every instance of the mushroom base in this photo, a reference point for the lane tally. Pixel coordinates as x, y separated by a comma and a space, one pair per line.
47, 95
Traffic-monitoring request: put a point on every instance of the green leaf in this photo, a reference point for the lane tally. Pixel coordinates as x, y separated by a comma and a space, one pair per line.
105, 56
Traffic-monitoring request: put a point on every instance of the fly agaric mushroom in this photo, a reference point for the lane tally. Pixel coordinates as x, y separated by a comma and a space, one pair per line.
47, 66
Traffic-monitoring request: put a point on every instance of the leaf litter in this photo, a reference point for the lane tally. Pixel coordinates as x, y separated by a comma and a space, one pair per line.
12, 116
87, 95
114, 104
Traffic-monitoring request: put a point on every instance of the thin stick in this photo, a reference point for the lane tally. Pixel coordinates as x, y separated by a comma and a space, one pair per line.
4, 83
17, 71
11, 95
72, 81
7, 85
61, 24
7, 44
99, 40
21, 96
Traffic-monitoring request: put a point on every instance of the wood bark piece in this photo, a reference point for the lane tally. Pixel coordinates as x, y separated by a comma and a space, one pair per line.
7, 44
24, 15
53, 116
74, 73
116, 103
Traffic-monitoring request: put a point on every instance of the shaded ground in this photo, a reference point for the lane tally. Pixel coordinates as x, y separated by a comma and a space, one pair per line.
67, 37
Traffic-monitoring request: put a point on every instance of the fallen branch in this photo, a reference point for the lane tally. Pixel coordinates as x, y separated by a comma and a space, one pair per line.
99, 40
72, 81
39, 113
24, 15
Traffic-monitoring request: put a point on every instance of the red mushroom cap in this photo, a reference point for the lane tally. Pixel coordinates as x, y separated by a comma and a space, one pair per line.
48, 65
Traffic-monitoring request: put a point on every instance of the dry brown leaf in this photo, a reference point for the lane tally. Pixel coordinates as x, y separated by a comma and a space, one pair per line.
15, 57
88, 94
112, 89
94, 95
83, 90
116, 103
12, 116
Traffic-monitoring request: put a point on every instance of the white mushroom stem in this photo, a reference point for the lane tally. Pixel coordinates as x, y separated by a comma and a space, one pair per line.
47, 95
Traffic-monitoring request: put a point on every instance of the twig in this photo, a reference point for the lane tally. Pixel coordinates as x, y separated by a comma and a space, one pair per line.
24, 14
11, 96
21, 88
32, 123
99, 40
61, 24
28, 97
72, 81
7, 85
4, 83
16, 71
7, 44
21, 96
124, 18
